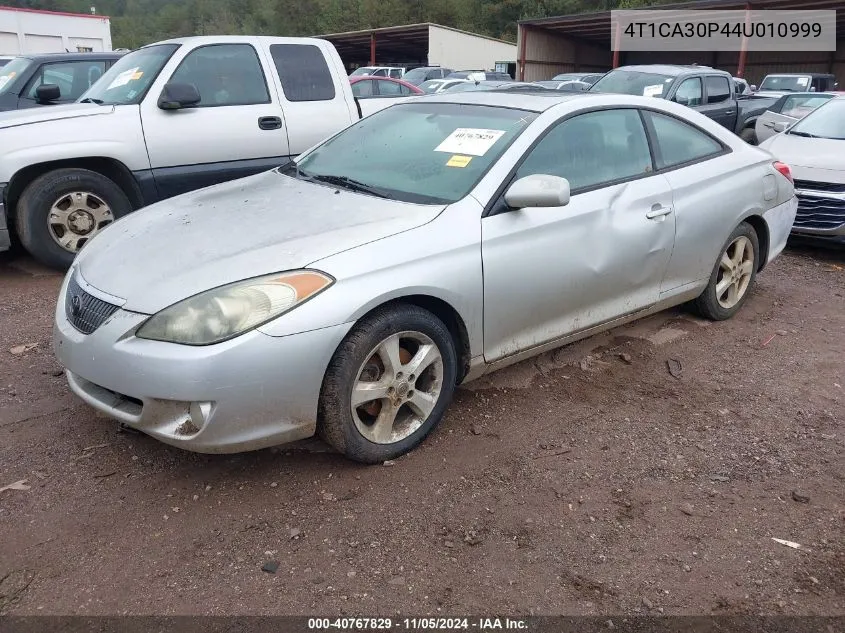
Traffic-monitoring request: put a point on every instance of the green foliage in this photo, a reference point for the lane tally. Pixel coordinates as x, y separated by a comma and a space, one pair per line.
138, 22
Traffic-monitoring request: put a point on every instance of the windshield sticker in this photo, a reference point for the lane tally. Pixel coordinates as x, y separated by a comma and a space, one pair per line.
124, 78
803, 81
459, 161
653, 91
472, 141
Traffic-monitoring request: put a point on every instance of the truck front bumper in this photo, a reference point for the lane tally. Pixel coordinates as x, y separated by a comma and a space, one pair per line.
5, 241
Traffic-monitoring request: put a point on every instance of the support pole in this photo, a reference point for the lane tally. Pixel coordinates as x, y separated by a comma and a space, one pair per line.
617, 39
743, 51
372, 49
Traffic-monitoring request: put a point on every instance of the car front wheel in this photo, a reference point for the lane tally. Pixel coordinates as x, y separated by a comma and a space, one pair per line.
733, 276
388, 384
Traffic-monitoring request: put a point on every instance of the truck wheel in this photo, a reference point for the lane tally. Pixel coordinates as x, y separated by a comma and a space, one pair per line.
749, 136
388, 384
60, 211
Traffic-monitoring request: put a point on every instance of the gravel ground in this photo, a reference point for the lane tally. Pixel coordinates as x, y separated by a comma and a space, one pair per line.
587, 481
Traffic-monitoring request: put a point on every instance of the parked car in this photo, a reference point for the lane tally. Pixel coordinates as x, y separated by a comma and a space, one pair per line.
418, 76
379, 71
709, 91
778, 84
433, 86
816, 147
787, 110
480, 75
569, 85
588, 78
165, 119
38, 80
375, 93
350, 291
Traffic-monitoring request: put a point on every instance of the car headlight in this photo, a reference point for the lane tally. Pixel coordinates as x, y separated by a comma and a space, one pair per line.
228, 311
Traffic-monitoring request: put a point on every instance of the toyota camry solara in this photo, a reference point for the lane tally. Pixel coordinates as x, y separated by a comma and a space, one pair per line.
349, 292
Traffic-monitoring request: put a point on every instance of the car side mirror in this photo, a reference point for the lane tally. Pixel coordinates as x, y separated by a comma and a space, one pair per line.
46, 93
538, 190
177, 96
781, 126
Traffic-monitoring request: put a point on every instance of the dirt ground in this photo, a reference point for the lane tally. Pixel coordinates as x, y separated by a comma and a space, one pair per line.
588, 481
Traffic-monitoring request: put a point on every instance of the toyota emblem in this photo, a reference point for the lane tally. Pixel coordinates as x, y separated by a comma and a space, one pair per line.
75, 305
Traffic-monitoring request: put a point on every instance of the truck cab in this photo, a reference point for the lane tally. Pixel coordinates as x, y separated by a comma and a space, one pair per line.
165, 119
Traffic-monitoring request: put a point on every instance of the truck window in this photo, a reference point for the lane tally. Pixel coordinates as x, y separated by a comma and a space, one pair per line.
718, 89
72, 78
303, 71
689, 92
225, 75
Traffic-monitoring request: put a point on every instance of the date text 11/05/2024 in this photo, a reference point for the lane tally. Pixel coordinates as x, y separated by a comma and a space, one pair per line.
417, 624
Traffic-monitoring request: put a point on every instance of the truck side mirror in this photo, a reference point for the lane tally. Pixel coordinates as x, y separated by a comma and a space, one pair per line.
45, 93
753, 88
176, 96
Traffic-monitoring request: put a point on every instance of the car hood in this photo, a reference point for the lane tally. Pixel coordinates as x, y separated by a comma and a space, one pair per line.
245, 228
52, 113
817, 159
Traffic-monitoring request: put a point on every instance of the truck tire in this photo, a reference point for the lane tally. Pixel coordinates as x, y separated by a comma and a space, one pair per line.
749, 136
61, 211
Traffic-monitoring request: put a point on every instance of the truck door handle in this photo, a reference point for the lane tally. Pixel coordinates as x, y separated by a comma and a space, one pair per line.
729, 111
658, 212
270, 122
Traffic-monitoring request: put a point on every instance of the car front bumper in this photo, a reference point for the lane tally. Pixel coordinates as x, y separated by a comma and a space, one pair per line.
248, 393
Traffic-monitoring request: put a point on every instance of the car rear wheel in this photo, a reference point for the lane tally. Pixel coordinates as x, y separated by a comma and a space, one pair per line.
733, 276
62, 210
388, 384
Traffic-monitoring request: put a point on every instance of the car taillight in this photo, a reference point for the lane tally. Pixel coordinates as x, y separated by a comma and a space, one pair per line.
784, 169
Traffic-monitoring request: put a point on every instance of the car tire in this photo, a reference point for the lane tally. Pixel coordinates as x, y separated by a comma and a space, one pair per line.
749, 135
79, 202
733, 276
405, 404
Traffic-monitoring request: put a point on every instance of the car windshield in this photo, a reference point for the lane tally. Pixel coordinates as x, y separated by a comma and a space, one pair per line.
431, 153
630, 82
416, 76
364, 70
785, 83
128, 80
431, 85
11, 70
826, 121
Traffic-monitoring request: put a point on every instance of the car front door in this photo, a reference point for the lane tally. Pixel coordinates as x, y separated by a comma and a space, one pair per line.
236, 130
550, 272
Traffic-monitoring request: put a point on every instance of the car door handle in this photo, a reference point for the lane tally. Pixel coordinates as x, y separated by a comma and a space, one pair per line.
658, 212
771, 126
729, 111
270, 122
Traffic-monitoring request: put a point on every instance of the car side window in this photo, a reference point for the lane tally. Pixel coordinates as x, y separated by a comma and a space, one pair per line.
592, 149
224, 75
395, 73
72, 78
303, 71
689, 92
362, 88
718, 89
389, 89
404, 90
679, 142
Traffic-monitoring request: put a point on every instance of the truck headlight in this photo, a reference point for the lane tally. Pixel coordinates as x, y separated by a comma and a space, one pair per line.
229, 311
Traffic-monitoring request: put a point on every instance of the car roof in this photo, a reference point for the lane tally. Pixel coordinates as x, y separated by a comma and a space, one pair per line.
671, 69
538, 101
799, 75
72, 57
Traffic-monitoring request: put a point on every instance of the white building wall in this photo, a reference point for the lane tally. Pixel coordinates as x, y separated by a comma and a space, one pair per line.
465, 51
26, 31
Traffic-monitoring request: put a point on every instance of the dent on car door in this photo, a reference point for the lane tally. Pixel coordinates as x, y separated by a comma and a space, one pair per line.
549, 272
236, 130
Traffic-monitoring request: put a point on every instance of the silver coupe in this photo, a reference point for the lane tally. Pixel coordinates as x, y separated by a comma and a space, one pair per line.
349, 292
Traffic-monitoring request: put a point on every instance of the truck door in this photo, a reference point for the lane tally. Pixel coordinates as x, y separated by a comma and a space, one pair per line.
236, 130
719, 104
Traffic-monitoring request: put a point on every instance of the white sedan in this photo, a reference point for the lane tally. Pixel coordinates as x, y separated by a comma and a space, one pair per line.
350, 291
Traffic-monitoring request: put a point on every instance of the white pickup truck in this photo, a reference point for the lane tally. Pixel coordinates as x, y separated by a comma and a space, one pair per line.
167, 118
